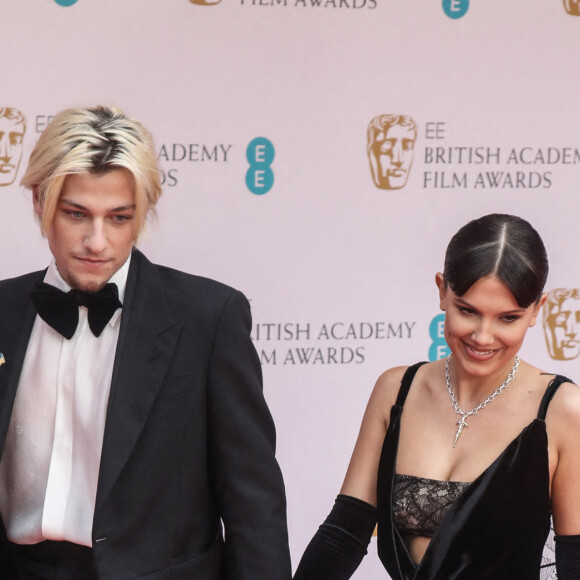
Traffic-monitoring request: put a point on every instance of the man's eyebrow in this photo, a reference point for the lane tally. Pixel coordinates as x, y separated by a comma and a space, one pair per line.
124, 207
83, 208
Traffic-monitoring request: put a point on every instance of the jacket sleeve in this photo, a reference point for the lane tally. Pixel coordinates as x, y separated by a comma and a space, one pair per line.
248, 482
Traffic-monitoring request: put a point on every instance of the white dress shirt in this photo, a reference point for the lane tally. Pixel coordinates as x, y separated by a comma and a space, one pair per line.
50, 466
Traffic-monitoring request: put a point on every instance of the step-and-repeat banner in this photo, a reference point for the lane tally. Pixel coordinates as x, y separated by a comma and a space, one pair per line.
318, 155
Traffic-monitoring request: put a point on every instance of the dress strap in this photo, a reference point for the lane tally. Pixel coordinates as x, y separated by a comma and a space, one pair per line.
406, 382
550, 392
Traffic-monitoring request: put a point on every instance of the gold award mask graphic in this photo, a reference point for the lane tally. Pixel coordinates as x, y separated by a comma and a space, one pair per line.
12, 129
390, 148
561, 322
572, 7
205, 2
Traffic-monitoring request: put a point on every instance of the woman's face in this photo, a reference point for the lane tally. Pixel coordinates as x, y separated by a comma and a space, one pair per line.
485, 327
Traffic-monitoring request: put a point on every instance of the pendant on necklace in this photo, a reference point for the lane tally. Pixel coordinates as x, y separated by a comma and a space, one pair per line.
460, 426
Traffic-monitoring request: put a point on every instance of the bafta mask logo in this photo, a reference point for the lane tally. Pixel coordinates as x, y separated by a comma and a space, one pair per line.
561, 321
390, 145
205, 2
12, 129
572, 7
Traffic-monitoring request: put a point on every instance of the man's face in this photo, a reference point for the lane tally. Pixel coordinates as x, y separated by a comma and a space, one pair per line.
562, 329
393, 156
94, 227
11, 137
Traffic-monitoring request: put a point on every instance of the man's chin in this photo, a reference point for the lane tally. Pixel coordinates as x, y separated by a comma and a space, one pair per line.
87, 284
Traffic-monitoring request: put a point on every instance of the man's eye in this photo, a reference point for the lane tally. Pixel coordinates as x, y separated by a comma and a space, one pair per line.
121, 218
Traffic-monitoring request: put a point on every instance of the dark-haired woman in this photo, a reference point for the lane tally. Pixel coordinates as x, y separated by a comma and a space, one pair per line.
462, 461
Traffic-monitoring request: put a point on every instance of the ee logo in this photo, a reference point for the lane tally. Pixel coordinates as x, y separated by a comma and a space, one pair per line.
438, 348
66, 2
455, 8
260, 155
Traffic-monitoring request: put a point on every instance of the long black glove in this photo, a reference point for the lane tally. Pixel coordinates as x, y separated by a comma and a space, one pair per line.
340, 543
568, 557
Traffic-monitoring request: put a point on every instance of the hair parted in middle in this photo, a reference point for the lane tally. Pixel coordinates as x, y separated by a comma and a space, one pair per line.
500, 245
92, 140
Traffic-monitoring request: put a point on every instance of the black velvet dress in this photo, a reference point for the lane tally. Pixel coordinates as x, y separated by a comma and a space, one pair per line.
495, 529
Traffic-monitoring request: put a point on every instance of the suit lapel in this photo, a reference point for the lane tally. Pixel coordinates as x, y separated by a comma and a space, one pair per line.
146, 344
17, 316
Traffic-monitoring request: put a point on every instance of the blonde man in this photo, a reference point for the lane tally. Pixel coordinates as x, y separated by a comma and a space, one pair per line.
133, 427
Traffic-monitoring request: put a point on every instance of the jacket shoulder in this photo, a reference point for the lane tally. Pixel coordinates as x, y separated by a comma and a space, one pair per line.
187, 292
194, 282
14, 290
22, 281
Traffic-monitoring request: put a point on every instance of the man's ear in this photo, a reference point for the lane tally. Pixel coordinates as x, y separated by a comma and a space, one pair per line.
440, 281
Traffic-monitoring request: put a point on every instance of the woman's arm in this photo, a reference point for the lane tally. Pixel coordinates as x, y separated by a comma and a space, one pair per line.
563, 421
361, 476
339, 545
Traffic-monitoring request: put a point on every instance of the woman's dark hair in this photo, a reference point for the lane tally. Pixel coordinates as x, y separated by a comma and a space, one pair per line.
500, 245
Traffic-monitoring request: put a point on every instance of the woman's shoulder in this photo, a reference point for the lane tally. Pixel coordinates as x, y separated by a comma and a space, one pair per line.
565, 399
563, 411
565, 404
389, 382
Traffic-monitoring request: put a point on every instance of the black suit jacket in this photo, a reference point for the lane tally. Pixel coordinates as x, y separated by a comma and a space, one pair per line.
189, 442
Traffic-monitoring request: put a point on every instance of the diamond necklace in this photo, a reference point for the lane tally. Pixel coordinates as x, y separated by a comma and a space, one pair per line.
462, 423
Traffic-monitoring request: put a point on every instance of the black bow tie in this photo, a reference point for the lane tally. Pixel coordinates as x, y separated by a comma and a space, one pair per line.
61, 309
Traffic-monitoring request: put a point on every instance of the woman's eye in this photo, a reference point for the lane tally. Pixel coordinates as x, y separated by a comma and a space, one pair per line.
511, 318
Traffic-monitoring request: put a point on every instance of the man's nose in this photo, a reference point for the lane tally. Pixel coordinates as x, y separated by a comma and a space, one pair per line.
95, 239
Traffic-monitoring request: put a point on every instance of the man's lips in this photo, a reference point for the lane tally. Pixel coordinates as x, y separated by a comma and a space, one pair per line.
92, 262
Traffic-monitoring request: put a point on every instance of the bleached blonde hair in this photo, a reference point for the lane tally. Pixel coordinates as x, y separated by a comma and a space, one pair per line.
92, 141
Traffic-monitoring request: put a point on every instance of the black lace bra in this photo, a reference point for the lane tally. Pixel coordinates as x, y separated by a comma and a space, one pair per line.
419, 504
